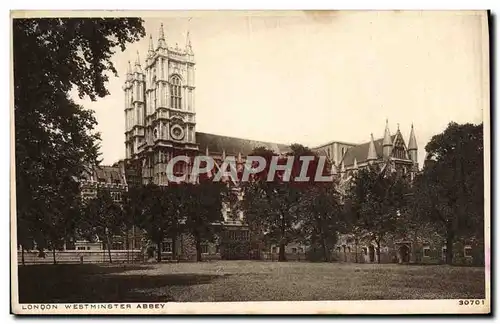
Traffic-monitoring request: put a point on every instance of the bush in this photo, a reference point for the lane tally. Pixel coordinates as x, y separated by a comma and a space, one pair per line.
235, 250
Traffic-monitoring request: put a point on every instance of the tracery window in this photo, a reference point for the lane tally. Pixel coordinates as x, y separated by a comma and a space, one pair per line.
175, 92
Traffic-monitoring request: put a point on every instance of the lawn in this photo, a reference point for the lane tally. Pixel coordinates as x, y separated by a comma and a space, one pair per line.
245, 281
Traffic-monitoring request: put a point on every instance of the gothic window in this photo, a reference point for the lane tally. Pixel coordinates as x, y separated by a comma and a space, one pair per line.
399, 150
175, 92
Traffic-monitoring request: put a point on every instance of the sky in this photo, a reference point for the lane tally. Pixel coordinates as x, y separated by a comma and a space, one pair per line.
315, 77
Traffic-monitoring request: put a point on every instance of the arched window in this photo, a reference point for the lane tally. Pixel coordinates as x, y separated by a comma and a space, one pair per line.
175, 92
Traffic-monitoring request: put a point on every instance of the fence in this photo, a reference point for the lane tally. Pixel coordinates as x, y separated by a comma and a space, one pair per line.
76, 256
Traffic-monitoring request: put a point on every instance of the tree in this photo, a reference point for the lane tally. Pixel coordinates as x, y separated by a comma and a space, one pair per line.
54, 137
202, 209
161, 215
133, 206
449, 193
274, 206
102, 218
322, 217
377, 198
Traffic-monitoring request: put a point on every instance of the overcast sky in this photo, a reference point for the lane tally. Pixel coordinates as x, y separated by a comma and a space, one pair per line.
312, 78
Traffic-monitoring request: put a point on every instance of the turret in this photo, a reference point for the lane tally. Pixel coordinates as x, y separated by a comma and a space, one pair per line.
387, 143
372, 153
151, 50
137, 67
129, 72
412, 146
189, 48
161, 38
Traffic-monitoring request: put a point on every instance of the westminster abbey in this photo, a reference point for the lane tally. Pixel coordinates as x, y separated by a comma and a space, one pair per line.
160, 123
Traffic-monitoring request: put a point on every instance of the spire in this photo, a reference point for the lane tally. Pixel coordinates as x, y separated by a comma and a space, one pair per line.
372, 153
342, 167
129, 71
138, 64
387, 135
162, 34
355, 165
206, 151
412, 143
189, 49
151, 47
223, 154
161, 38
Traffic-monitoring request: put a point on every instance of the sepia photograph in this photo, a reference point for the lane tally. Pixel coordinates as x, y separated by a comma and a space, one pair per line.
250, 162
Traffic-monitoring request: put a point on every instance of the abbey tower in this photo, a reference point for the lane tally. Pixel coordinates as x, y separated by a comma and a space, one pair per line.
159, 110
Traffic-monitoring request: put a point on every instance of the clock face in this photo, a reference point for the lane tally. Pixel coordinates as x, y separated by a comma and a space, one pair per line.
177, 132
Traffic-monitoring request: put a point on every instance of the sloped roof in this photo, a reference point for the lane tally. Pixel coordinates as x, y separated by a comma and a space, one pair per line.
232, 145
360, 152
104, 173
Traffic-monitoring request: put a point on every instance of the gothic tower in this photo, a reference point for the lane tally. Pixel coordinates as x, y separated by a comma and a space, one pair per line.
134, 109
164, 115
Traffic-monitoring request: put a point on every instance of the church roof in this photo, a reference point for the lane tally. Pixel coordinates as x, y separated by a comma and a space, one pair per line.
233, 145
360, 152
104, 173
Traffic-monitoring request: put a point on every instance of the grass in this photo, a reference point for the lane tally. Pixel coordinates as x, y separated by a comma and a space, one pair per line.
245, 281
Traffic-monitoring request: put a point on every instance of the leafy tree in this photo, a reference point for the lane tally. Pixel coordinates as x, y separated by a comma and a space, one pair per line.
273, 207
161, 215
322, 217
133, 206
102, 218
377, 199
320, 212
202, 210
54, 137
449, 193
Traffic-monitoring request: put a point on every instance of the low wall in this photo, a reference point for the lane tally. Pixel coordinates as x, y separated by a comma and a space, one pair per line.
76, 256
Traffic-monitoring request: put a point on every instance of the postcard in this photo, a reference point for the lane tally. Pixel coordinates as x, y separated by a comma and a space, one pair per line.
250, 162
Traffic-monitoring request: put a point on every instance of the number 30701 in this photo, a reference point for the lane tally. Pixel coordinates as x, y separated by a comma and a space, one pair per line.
471, 302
